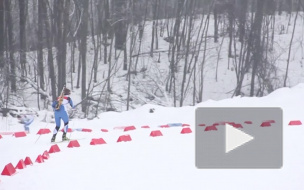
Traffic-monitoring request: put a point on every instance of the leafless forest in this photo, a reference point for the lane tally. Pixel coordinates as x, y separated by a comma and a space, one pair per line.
45, 44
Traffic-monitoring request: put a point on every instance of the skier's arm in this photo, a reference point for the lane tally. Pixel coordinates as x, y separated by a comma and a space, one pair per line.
54, 104
71, 102
29, 121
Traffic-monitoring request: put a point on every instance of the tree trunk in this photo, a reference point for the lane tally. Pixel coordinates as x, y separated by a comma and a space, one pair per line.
105, 30
155, 5
242, 18
290, 45
280, 7
40, 46
215, 12
258, 53
22, 23
61, 24
173, 67
12, 77
201, 86
121, 27
79, 66
83, 52
96, 44
2, 37
191, 10
49, 42
230, 8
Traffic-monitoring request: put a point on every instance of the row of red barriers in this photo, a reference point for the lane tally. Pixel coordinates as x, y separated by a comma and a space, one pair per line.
9, 169
267, 123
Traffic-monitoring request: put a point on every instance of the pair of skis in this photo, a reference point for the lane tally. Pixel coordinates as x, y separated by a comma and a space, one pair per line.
66, 140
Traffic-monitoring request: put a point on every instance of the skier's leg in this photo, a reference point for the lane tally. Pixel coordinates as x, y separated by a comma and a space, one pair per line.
65, 130
27, 128
65, 119
57, 121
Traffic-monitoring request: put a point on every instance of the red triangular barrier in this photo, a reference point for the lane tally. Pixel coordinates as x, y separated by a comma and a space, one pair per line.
211, 128
145, 127
20, 165
43, 131
20, 134
128, 128
156, 133
185, 125
39, 159
124, 138
28, 161
237, 125
86, 130
186, 130
9, 170
265, 124
248, 122
54, 148
97, 141
104, 130
45, 155
73, 143
295, 122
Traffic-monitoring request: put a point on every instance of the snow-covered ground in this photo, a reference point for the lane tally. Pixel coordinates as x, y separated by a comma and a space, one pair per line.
165, 162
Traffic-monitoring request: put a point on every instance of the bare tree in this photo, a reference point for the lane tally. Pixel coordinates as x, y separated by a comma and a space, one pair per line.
83, 52
61, 20
291, 41
202, 66
154, 26
190, 11
22, 23
10, 44
242, 18
258, 53
49, 42
231, 18
215, 15
173, 61
40, 45
2, 46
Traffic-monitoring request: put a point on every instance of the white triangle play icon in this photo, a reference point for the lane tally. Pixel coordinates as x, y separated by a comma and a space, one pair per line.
235, 138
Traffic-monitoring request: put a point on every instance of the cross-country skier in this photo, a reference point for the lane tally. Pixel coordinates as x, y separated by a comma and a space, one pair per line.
60, 112
26, 120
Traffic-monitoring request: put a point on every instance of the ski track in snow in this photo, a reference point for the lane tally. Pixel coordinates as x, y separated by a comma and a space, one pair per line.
164, 162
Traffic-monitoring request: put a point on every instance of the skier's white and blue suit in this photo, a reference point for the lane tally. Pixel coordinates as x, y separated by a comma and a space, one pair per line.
61, 113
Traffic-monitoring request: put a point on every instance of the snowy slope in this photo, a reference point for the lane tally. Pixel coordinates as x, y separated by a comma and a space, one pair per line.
165, 162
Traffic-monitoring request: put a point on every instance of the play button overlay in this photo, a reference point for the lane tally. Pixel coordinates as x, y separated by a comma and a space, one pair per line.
235, 138
230, 137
